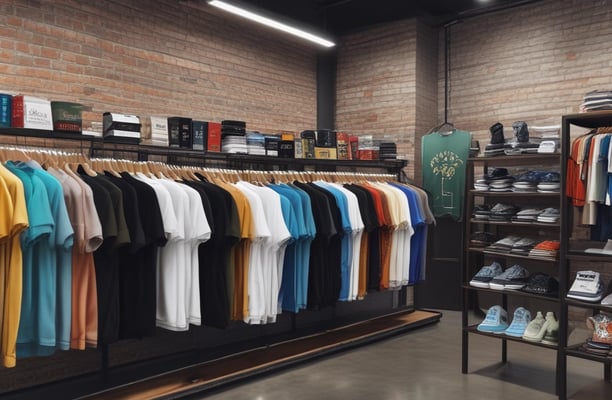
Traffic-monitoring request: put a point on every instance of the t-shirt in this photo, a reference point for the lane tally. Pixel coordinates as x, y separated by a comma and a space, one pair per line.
444, 161
14, 213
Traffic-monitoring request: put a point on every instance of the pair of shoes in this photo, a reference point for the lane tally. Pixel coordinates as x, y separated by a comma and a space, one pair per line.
541, 283
543, 329
493, 277
496, 321
520, 320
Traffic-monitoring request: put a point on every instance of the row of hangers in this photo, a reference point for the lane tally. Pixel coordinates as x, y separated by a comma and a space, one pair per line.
73, 160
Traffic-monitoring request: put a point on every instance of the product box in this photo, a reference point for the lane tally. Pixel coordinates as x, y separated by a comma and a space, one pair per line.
353, 146
159, 129
286, 149
179, 132
67, 117
124, 126
6, 100
297, 146
272, 144
199, 131
367, 154
342, 144
32, 113
308, 144
213, 139
326, 153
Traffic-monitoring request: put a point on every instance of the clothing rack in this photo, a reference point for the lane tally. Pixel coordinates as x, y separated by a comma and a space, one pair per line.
178, 163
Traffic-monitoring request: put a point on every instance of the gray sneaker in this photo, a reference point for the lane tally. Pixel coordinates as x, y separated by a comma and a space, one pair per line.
486, 274
514, 277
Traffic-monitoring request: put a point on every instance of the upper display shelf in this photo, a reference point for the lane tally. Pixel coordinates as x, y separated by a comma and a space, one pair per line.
518, 159
593, 119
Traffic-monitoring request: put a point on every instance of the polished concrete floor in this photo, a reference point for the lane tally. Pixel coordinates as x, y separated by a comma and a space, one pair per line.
425, 364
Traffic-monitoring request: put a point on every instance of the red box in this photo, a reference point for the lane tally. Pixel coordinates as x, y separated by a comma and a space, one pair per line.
214, 137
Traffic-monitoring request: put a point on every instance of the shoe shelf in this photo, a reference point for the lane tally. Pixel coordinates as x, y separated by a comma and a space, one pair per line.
586, 304
517, 293
576, 351
510, 255
478, 256
513, 223
486, 193
473, 329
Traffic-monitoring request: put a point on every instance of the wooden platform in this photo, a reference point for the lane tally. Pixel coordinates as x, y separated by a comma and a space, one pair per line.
229, 369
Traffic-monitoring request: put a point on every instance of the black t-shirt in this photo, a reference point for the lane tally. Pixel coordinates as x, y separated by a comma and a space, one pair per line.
319, 286
372, 226
214, 254
139, 281
106, 263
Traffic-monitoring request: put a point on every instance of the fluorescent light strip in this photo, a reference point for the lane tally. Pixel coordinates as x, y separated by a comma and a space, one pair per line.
271, 23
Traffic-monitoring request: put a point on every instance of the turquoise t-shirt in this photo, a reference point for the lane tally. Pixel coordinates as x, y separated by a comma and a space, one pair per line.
444, 163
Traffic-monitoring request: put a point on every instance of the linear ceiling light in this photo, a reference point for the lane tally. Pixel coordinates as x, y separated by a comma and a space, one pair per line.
270, 22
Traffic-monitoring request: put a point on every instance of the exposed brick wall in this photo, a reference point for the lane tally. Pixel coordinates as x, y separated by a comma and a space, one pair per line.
157, 58
376, 84
533, 63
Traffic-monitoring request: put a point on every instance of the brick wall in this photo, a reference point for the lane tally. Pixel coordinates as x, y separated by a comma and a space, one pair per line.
151, 57
532, 63
376, 84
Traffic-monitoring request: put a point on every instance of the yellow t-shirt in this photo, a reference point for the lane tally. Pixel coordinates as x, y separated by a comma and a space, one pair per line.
12, 266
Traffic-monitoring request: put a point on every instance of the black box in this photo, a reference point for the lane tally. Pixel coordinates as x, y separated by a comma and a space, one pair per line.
199, 133
179, 132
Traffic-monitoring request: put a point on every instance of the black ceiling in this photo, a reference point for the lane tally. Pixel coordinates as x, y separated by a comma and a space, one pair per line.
343, 16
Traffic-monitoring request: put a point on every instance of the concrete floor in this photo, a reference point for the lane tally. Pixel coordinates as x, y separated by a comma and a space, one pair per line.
425, 364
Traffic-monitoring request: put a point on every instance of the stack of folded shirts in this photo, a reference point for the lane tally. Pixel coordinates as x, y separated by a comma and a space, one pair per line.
546, 249
597, 100
482, 211
549, 187
504, 245
234, 144
527, 215
233, 128
522, 186
523, 246
481, 184
387, 151
481, 239
256, 143
588, 286
502, 212
495, 149
501, 185
596, 348
541, 283
549, 215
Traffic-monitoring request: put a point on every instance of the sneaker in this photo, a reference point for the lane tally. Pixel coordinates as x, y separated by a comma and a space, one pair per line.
496, 321
536, 328
486, 274
514, 277
541, 283
551, 336
521, 319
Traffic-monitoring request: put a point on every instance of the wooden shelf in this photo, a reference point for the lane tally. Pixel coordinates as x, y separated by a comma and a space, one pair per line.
486, 193
513, 223
510, 255
531, 159
473, 329
586, 304
576, 351
517, 293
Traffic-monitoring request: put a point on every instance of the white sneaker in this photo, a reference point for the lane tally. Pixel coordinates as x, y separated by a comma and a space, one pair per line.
551, 336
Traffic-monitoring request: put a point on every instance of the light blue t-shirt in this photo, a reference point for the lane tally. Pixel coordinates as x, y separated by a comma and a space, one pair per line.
54, 279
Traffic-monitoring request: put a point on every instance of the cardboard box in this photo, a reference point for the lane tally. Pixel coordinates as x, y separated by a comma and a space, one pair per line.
286, 148
179, 132
342, 144
326, 153
213, 138
31, 113
67, 117
199, 131
6, 101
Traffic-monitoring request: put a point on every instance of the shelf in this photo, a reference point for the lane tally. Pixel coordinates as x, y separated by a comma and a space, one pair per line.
473, 329
523, 159
510, 255
593, 119
576, 351
486, 193
585, 304
512, 223
516, 293
99, 144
